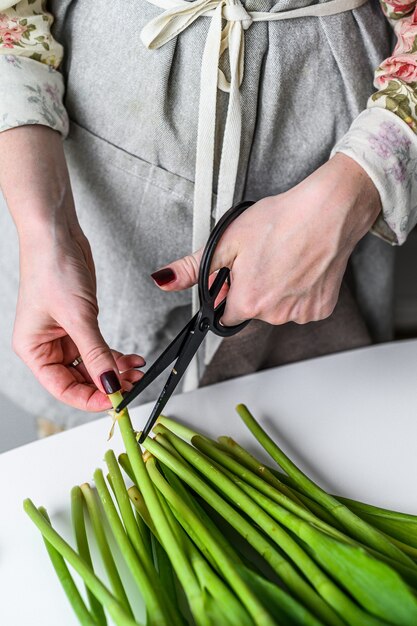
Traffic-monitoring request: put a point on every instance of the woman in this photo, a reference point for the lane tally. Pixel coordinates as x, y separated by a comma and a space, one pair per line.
166, 108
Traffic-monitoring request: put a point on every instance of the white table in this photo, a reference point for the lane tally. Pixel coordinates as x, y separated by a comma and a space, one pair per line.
349, 420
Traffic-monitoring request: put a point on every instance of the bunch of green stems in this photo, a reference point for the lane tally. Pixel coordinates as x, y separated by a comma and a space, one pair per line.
304, 557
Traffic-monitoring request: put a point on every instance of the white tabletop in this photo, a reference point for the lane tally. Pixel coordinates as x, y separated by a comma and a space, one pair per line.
349, 420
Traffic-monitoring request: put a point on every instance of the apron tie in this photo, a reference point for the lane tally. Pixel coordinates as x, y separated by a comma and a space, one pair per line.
166, 27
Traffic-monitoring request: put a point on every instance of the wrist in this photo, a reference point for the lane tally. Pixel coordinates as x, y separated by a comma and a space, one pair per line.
357, 192
35, 181
366, 192
37, 219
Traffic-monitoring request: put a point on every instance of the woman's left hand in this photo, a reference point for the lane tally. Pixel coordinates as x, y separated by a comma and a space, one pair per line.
288, 253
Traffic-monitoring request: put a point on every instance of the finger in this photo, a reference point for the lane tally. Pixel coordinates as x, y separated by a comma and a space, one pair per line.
239, 308
96, 354
133, 376
180, 274
61, 381
129, 361
183, 273
81, 373
70, 353
223, 291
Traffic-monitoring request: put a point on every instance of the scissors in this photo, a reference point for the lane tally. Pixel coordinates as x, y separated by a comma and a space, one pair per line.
185, 345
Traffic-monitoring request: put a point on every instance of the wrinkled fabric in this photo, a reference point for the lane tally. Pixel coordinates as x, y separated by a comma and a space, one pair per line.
132, 142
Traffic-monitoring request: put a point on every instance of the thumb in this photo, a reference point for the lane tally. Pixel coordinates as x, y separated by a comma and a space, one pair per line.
180, 274
96, 356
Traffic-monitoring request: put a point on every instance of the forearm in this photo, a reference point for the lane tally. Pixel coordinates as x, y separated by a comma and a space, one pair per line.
35, 181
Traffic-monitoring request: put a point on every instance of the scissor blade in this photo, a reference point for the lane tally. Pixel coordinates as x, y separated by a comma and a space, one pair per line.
187, 353
162, 362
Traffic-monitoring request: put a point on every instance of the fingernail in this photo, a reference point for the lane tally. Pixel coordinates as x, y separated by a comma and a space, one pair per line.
110, 382
164, 277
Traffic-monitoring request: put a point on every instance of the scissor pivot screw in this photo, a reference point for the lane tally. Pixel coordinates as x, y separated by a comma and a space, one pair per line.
204, 324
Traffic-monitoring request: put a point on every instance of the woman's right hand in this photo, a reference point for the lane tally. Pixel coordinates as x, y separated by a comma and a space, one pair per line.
56, 319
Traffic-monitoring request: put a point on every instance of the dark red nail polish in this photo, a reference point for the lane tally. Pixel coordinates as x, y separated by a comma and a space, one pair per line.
164, 277
110, 382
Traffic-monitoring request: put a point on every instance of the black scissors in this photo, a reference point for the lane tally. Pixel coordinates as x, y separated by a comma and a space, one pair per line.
186, 343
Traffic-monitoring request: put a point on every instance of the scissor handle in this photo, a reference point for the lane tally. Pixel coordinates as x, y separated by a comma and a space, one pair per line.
207, 295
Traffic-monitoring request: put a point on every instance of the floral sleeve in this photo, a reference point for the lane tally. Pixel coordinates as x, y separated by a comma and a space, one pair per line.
31, 86
383, 139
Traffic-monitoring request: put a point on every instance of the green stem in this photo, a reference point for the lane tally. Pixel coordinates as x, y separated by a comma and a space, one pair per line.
207, 578
127, 514
179, 487
67, 582
110, 603
276, 504
401, 528
245, 458
323, 584
286, 518
137, 570
143, 528
166, 572
183, 431
125, 464
78, 524
359, 529
283, 568
223, 563
258, 484
95, 515
180, 563
140, 506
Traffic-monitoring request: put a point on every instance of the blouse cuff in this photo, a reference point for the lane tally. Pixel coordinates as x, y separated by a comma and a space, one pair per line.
31, 93
386, 147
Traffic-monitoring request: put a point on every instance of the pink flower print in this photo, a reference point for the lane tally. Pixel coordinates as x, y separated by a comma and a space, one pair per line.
399, 6
391, 133
11, 33
393, 146
403, 67
380, 147
406, 31
390, 141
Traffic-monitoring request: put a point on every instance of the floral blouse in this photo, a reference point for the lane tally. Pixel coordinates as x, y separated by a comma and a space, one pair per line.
382, 139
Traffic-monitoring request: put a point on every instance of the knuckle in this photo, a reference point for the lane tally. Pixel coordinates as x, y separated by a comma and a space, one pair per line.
275, 318
94, 354
245, 310
190, 266
302, 314
324, 312
280, 314
303, 319
327, 310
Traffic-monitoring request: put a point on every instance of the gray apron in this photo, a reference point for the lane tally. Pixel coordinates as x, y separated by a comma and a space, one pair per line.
132, 144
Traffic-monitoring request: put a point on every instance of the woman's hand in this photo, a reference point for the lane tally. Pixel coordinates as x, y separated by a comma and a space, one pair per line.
288, 253
56, 318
